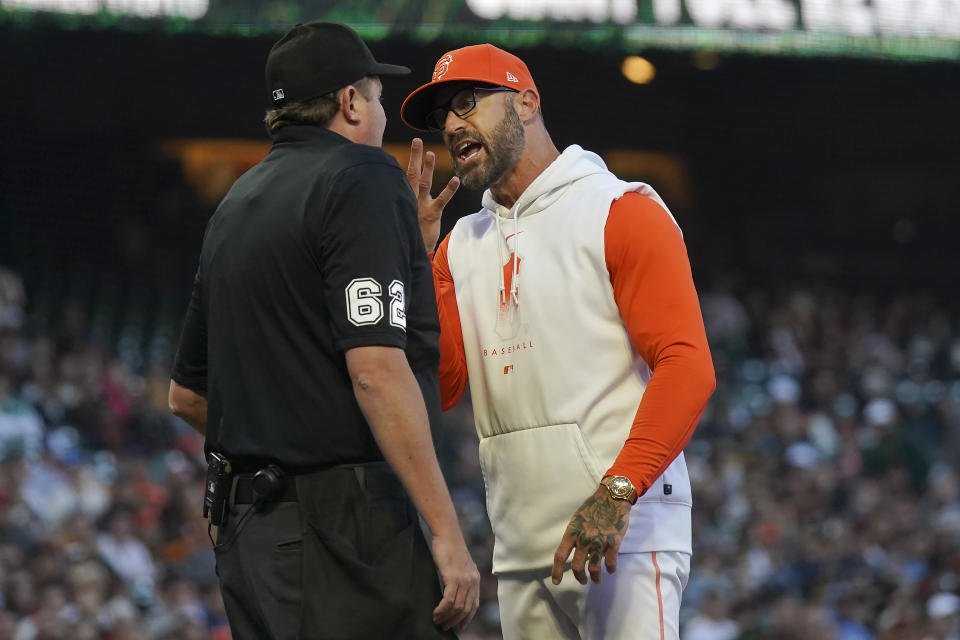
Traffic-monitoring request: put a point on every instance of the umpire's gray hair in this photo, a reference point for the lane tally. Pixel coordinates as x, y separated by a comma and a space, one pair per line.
317, 112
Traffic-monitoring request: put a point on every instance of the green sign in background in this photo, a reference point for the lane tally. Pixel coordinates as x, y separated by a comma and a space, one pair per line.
453, 21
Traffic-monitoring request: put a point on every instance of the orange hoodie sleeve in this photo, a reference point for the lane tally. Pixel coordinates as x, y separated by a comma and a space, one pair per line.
453, 362
654, 291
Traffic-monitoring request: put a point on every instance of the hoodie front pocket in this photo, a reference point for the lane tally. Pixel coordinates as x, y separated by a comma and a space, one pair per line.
535, 479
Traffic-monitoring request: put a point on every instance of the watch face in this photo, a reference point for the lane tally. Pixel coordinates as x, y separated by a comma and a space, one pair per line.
620, 486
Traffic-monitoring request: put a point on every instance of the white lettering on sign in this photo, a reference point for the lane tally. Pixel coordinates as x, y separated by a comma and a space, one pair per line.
912, 18
844, 16
779, 15
58, 6
620, 11
667, 12
191, 9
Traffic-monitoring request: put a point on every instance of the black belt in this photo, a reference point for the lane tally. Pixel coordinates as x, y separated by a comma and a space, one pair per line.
376, 477
243, 493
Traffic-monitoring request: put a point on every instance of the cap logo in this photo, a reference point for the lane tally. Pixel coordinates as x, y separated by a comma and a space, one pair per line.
443, 65
511, 77
277, 94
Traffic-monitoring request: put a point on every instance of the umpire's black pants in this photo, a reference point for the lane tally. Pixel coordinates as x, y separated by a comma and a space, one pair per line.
346, 561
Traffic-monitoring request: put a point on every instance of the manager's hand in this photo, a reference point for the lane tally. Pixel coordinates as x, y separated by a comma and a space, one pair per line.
595, 530
461, 583
429, 209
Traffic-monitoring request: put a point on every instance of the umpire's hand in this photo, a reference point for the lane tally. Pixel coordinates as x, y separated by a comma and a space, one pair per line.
595, 530
461, 582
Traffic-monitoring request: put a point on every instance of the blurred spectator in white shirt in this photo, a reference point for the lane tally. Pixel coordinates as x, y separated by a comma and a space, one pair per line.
712, 621
943, 611
127, 555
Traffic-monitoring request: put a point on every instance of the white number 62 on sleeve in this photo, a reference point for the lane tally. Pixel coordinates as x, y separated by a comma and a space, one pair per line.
364, 306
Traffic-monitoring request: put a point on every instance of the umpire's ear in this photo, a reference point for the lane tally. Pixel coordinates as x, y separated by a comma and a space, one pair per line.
348, 104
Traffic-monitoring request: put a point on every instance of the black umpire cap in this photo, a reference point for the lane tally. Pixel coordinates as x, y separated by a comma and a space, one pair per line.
319, 57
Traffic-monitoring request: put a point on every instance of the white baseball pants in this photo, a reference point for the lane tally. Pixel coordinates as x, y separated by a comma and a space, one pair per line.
641, 601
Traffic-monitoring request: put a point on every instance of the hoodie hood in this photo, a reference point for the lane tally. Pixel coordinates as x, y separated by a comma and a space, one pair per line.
571, 165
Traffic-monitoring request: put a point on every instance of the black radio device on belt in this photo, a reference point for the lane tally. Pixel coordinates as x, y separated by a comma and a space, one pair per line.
217, 491
267, 484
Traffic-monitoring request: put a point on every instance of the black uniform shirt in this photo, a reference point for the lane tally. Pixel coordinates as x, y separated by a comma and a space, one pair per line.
313, 251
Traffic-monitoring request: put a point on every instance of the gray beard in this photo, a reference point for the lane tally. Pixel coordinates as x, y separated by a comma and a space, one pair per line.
503, 149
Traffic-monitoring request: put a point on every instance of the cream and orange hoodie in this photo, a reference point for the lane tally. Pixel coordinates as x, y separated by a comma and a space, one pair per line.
574, 319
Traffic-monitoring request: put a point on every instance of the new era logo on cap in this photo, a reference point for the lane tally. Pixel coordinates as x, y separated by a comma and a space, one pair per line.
511, 77
278, 94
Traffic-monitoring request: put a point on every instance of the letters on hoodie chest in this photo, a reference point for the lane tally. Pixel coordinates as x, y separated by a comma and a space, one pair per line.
560, 278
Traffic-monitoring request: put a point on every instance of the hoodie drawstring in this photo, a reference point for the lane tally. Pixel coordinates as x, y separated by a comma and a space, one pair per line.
500, 243
515, 280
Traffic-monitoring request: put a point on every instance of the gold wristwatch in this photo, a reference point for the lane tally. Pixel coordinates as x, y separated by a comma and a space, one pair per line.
620, 488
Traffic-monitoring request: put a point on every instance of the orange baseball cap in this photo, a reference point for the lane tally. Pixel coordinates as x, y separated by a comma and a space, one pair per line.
481, 63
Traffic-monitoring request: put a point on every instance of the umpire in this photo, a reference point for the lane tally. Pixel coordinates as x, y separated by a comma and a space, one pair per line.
309, 358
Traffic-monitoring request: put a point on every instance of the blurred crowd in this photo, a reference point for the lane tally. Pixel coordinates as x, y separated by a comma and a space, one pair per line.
100, 529
827, 504
825, 468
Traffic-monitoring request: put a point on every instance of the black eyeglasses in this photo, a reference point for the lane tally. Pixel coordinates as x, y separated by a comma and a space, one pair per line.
462, 104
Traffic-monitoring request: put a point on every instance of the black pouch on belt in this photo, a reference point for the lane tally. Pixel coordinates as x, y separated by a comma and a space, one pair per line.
217, 491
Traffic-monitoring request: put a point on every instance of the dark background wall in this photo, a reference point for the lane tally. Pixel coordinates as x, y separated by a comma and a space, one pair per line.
821, 167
